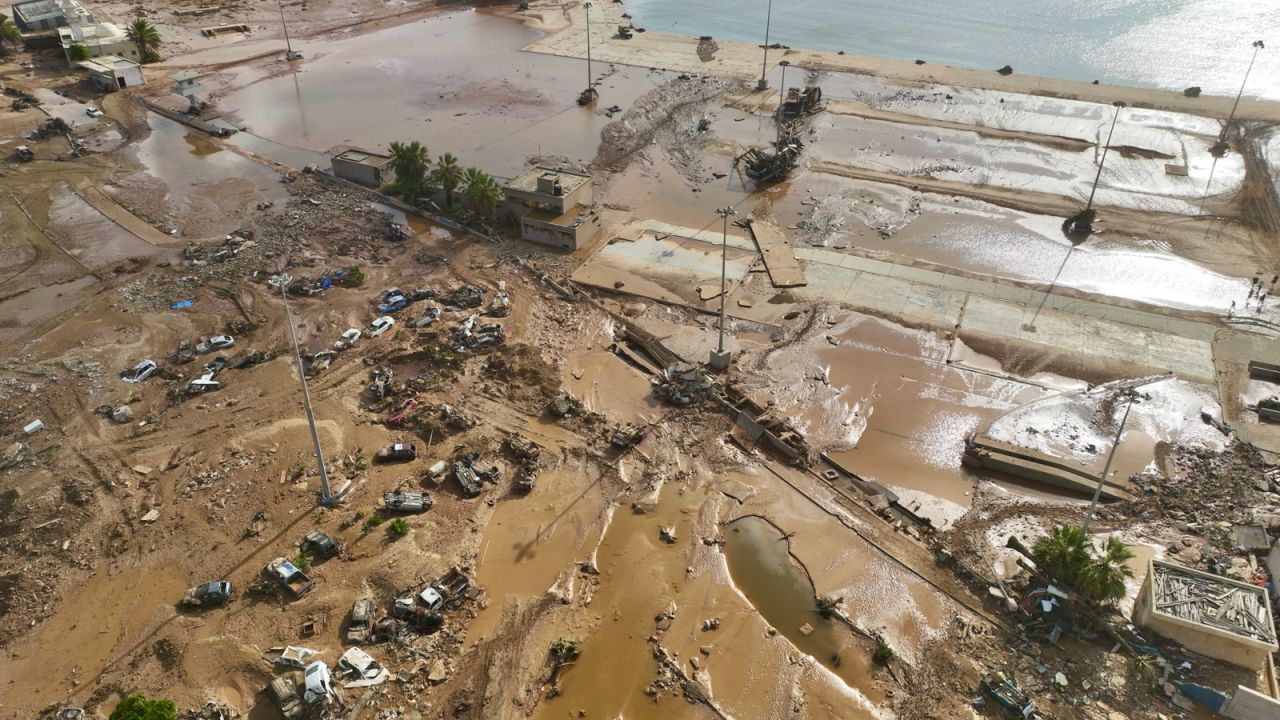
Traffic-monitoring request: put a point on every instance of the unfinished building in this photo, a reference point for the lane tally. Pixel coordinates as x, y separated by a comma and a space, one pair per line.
1214, 616
554, 207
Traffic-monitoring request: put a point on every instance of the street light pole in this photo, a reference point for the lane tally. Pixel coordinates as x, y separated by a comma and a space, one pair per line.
326, 497
289, 53
782, 91
1120, 105
590, 84
1221, 146
1097, 492
764, 66
719, 358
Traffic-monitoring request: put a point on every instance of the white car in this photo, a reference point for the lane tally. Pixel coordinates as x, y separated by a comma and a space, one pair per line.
218, 342
348, 339
93, 112
381, 325
139, 372
318, 682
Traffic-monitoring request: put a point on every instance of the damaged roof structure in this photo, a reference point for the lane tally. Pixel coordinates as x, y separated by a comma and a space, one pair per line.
1215, 616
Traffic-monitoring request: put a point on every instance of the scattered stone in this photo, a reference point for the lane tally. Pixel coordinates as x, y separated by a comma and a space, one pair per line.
152, 515
667, 535
1006, 70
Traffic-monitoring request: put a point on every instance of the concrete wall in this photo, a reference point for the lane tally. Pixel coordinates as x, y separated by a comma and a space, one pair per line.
367, 175
1248, 704
568, 238
551, 203
1207, 641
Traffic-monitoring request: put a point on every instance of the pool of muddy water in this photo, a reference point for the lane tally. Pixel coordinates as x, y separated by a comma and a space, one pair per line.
779, 588
456, 81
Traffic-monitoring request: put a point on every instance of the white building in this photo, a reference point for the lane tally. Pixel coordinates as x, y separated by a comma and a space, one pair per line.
99, 39
112, 72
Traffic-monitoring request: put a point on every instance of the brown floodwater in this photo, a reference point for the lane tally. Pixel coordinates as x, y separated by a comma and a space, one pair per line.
762, 567
457, 82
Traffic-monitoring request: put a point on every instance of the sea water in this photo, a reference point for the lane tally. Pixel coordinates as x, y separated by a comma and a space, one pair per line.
1169, 44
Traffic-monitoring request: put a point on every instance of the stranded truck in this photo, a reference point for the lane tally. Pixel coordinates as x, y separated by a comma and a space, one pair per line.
288, 576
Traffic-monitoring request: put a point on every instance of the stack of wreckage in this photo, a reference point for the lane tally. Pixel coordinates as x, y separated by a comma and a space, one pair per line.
526, 453
683, 384
772, 167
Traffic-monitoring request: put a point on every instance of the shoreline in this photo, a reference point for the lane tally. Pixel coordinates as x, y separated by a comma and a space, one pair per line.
564, 25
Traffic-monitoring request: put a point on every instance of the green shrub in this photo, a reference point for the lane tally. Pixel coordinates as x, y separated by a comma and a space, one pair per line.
138, 707
399, 528
373, 522
78, 52
302, 562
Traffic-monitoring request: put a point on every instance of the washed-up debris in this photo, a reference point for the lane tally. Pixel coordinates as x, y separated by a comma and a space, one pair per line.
564, 405
682, 384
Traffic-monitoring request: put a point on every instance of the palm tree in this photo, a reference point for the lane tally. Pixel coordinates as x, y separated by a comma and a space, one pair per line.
145, 36
8, 32
448, 174
1063, 553
1103, 578
482, 190
411, 163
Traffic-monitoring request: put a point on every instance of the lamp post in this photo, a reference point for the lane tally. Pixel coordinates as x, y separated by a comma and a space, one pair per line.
289, 53
1131, 394
1120, 105
764, 66
326, 496
720, 358
590, 92
1220, 148
782, 91
1079, 226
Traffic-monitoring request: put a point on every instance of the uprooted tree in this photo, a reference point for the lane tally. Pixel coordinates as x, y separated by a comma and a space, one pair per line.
1069, 555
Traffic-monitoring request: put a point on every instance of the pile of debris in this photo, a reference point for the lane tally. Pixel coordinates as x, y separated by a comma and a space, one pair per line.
21, 100
683, 384
525, 452
431, 421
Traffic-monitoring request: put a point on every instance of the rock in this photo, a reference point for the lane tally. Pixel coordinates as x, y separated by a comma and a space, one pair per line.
711, 624
693, 662
437, 674
122, 414
1261, 485
1006, 70
1060, 680
143, 470
705, 649
1193, 91
667, 535
152, 515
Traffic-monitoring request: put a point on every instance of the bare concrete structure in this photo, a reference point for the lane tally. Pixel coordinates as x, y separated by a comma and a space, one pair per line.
112, 72
41, 15
1249, 704
1210, 615
367, 168
554, 206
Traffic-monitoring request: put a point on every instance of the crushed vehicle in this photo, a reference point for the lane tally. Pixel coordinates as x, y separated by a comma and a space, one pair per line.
469, 476
361, 666
293, 656
466, 296
140, 372
564, 405
381, 385
71, 713
348, 339
363, 617
185, 353
284, 693
206, 381
424, 609
24, 154
420, 294
398, 419
315, 364
406, 502
288, 576
526, 453
799, 103
246, 358
317, 683
320, 546
1007, 694
217, 592
381, 325
217, 342
428, 316
626, 436
390, 293
400, 452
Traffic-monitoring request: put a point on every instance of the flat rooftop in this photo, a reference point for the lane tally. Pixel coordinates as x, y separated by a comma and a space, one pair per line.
364, 157
569, 181
569, 218
108, 63
1215, 602
38, 10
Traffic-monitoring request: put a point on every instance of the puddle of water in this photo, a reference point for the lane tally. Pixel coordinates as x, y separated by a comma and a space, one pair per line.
92, 237
761, 566
458, 82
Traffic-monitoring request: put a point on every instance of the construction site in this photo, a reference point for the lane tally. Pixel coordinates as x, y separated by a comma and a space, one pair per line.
683, 390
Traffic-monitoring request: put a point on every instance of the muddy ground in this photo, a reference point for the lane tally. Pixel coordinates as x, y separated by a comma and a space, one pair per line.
687, 569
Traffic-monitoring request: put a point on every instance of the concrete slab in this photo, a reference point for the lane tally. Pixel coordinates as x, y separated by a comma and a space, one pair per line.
778, 255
